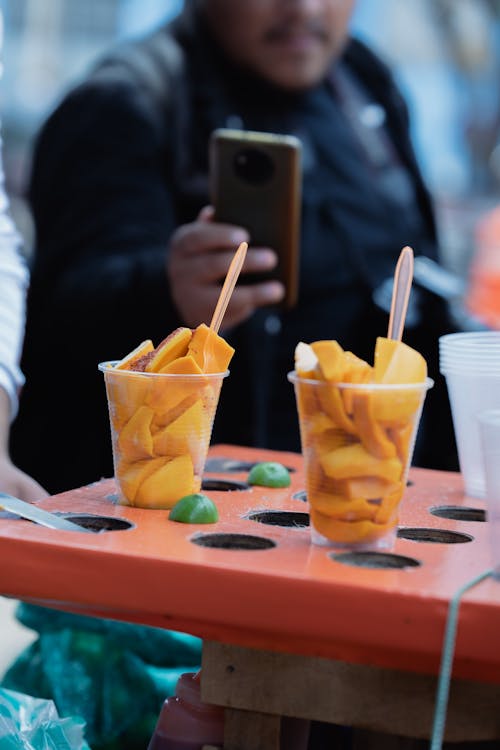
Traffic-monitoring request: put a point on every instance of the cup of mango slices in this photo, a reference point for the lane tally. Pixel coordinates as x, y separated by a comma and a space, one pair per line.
162, 403
358, 424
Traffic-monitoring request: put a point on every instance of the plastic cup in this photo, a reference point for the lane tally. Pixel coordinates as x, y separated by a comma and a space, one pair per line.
470, 362
357, 444
489, 431
161, 425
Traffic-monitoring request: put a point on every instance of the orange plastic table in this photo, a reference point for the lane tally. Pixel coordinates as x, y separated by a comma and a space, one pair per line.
263, 590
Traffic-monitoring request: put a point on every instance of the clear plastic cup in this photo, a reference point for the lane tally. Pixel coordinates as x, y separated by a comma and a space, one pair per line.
357, 443
161, 425
470, 362
489, 431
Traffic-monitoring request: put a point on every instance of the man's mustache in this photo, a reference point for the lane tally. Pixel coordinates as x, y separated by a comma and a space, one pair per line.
286, 29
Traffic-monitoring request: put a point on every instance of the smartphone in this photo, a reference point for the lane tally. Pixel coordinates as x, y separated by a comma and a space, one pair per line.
256, 183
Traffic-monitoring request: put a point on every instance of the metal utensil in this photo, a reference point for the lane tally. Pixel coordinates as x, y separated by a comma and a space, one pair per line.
38, 515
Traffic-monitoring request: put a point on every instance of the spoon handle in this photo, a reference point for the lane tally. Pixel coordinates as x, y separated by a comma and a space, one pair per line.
403, 277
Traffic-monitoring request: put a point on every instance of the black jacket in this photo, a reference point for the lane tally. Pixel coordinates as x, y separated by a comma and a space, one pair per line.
123, 161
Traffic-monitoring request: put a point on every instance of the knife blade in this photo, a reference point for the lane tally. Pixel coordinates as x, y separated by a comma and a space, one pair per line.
38, 515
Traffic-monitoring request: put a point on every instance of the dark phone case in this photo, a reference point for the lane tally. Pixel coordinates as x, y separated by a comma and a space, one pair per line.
256, 183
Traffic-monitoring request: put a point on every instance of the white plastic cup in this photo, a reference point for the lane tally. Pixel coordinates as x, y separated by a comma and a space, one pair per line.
470, 362
489, 430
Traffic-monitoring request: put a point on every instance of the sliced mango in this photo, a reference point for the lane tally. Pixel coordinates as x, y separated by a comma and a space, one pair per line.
331, 402
185, 365
131, 476
372, 435
184, 434
371, 488
167, 394
135, 440
209, 350
402, 438
396, 362
126, 393
347, 532
387, 512
127, 363
336, 506
173, 346
162, 419
355, 461
165, 486
330, 440
330, 360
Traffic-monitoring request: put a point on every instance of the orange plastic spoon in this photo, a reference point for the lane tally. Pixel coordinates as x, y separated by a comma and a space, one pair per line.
228, 286
403, 277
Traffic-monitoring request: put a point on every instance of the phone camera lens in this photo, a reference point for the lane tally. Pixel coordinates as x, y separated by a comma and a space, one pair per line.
253, 166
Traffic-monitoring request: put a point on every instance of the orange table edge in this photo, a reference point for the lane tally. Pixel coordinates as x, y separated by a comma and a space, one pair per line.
292, 597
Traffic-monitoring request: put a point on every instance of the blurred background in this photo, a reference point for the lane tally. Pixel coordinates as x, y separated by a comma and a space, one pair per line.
445, 55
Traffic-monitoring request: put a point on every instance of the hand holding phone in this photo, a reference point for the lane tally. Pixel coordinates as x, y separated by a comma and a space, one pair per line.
255, 182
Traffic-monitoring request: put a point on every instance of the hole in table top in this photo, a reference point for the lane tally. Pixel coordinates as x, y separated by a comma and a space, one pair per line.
302, 495
434, 536
223, 485
233, 541
230, 465
459, 513
98, 523
369, 559
280, 518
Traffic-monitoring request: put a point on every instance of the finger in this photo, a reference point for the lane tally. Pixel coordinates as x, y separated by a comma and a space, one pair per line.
259, 259
206, 213
203, 237
251, 296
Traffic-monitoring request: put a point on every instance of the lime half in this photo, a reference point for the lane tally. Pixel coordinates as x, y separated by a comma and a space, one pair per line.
269, 474
195, 508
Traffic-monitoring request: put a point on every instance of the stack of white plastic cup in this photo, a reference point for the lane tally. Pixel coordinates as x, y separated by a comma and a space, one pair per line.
470, 362
489, 430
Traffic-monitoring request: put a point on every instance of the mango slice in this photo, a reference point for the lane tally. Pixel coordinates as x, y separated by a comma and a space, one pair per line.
347, 532
165, 486
135, 440
131, 476
396, 362
125, 395
330, 360
127, 363
173, 346
182, 434
209, 350
185, 365
373, 436
354, 461
336, 506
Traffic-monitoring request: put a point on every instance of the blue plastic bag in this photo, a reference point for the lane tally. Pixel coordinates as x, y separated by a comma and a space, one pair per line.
28, 723
114, 675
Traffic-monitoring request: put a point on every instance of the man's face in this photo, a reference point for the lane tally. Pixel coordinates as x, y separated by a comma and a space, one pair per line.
287, 42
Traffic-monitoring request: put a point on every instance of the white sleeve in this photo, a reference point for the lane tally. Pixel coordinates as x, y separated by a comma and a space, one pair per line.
13, 285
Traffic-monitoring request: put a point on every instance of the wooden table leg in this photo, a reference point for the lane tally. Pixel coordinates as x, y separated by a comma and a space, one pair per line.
248, 730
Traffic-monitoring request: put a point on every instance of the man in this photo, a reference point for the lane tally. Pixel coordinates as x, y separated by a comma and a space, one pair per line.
127, 248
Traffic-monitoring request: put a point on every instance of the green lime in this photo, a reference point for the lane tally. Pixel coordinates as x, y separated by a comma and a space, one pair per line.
196, 508
269, 474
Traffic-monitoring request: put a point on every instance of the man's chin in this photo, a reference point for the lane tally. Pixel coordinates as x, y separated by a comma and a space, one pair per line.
297, 77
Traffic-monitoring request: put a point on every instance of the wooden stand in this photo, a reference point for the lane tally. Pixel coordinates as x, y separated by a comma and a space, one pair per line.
258, 688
